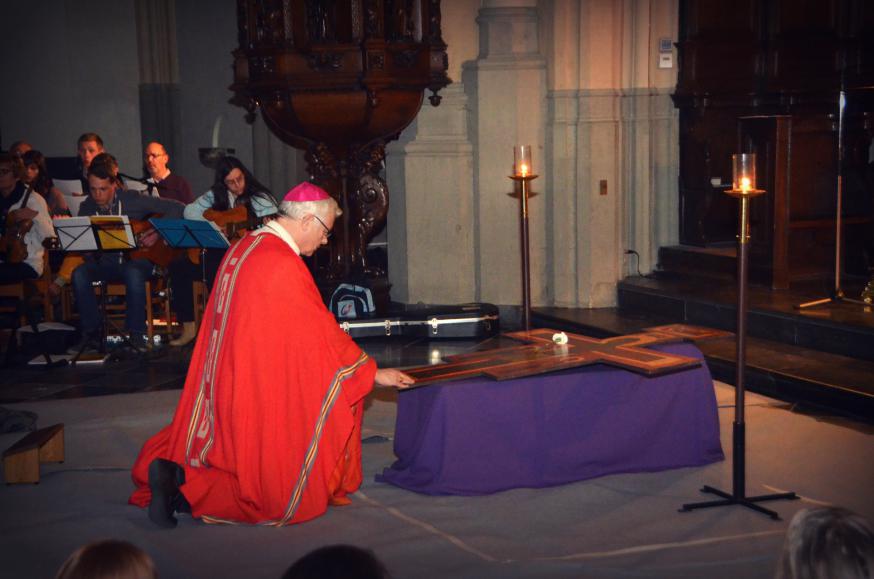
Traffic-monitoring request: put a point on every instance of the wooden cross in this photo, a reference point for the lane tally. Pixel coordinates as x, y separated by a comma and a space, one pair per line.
542, 354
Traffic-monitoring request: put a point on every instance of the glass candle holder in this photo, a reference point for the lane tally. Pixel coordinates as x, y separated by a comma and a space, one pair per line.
522, 165
743, 172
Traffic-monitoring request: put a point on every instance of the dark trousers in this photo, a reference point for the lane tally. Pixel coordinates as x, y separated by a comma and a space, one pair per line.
133, 273
16, 272
183, 274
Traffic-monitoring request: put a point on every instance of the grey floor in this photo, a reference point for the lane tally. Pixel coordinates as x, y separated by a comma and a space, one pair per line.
616, 526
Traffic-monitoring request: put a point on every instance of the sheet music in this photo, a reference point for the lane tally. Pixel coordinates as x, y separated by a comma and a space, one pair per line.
114, 232
74, 234
135, 186
69, 187
188, 233
74, 202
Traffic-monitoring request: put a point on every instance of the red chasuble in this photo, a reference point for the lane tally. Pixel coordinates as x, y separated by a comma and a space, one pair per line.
268, 428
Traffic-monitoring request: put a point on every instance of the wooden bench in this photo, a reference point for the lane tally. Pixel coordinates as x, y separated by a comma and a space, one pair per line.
21, 460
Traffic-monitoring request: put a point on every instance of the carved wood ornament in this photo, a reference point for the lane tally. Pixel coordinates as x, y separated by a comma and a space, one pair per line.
339, 79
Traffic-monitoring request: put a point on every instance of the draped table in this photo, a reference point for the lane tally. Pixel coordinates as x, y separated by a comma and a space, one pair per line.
481, 436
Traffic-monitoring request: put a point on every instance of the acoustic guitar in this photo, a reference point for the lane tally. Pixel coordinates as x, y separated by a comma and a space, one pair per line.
158, 252
12, 244
234, 222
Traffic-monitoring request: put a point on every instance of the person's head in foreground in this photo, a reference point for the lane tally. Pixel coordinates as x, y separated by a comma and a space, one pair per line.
338, 562
109, 559
827, 543
308, 214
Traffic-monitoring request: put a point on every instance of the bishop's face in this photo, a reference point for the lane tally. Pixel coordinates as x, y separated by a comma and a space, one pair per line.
315, 233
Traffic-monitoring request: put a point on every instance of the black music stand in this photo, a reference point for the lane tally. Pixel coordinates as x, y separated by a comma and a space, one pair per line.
97, 233
192, 234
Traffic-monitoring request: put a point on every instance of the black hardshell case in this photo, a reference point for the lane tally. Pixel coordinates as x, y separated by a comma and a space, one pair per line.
475, 320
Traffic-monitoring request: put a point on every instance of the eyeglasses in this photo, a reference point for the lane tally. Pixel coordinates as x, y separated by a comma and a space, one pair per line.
328, 232
238, 181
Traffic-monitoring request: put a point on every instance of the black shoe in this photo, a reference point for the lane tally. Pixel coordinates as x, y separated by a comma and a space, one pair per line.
139, 341
88, 344
165, 478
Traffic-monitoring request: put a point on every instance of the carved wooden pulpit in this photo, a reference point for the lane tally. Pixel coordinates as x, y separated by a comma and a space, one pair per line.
339, 79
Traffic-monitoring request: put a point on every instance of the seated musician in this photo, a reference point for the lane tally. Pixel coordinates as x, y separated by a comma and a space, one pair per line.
19, 148
236, 201
88, 147
25, 223
37, 176
107, 197
162, 182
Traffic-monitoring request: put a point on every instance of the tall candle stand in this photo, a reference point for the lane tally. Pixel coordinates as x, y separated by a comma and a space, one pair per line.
522, 173
743, 188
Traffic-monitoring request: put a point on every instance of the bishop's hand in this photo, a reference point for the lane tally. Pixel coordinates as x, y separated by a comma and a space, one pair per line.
393, 377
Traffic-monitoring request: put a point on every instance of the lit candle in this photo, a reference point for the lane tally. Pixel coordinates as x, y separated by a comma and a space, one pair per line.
522, 166
744, 172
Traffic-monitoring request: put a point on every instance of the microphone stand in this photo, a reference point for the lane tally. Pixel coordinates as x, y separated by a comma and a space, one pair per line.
837, 295
150, 185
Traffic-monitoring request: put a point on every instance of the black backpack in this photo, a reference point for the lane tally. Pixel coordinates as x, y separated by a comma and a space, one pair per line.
351, 301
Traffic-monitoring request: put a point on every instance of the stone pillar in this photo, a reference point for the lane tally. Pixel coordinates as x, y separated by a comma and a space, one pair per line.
611, 145
160, 110
601, 164
507, 90
431, 226
561, 177
650, 134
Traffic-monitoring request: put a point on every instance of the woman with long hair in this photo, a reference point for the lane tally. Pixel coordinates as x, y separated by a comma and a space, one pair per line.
234, 186
234, 189
37, 176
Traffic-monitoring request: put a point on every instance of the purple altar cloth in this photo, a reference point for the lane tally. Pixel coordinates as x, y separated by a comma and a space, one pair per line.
480, 436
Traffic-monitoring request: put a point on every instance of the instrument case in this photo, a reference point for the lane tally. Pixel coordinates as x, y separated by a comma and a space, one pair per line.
476, 320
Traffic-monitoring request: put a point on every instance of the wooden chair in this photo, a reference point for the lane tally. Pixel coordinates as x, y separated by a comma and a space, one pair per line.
24, 292
20, 299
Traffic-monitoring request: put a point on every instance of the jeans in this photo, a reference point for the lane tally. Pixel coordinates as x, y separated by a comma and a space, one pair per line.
183, 274
134, 274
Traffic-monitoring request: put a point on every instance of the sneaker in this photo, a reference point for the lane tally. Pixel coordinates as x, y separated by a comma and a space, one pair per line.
140, 341
87, 344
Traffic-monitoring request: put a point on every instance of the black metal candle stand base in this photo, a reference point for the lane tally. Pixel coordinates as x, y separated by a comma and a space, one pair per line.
729, 499
738, 494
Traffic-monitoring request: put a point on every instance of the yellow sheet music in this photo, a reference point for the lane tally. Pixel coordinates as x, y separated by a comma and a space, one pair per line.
113, 232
